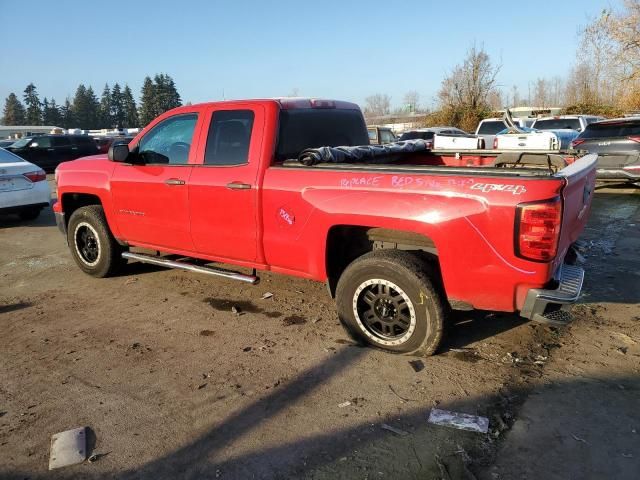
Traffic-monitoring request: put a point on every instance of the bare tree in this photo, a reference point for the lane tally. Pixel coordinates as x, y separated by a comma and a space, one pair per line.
470, 92
541, 93
611, 48
412, 99
469, 85
515, 96
377, 105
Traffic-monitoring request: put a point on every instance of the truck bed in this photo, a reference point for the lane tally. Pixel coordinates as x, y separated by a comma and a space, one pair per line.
535, 163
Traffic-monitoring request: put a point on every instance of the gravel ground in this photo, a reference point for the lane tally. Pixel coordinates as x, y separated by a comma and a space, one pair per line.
187, 376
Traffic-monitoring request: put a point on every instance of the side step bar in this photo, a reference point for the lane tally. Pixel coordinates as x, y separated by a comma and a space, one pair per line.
163, 262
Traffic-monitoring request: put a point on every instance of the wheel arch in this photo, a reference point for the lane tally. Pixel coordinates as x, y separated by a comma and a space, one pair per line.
345, 243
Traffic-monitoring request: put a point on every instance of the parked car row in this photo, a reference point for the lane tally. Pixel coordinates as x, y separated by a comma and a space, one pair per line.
616, 141
48, 151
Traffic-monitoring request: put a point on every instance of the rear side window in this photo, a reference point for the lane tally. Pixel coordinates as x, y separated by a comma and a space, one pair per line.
8, 157
558, 123
491, 127
83, 141
61, 141
606, 130
229, 137
312, 128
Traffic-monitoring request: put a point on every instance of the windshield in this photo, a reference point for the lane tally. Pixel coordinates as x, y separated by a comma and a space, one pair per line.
491, 127
8, 157
23, 142
312, 128
614, 129
416, 136
557, 124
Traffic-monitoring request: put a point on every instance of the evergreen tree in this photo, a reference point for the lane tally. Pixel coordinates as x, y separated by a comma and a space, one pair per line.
147, 102
13, 113
167, 96
34, 107
93, 109
45, 109
53, 115
117, 107
105, 108
66, 114
80, 108
129, 109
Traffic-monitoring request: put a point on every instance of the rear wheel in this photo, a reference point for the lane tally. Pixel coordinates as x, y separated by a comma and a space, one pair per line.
386, 298
30, 213
92, 245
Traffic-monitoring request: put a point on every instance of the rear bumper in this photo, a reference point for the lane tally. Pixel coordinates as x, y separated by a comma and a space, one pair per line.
569, 288
618, 174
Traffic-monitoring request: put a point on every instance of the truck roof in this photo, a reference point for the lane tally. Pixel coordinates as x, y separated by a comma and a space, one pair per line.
286, 103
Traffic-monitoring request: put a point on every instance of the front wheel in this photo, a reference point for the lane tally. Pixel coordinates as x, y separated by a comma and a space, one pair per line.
386, 298
92, 245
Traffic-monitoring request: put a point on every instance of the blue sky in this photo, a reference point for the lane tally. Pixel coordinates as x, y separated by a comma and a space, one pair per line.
246, 49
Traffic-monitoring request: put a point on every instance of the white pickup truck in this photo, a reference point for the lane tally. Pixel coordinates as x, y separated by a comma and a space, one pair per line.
516, 137
530, 139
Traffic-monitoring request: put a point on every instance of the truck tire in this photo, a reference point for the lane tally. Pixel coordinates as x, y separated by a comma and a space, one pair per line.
387, 299
92, 245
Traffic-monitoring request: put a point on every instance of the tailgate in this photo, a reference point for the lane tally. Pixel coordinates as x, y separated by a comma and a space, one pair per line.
527, 141
580, 178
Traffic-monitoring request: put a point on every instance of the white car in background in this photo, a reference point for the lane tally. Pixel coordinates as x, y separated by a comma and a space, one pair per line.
23, 187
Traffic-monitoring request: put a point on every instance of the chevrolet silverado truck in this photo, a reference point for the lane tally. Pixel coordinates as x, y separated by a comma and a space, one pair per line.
399, 241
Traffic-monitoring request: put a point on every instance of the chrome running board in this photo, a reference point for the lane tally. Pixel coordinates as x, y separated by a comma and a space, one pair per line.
163, 262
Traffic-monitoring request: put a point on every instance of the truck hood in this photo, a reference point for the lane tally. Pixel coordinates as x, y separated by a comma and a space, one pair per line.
70, 165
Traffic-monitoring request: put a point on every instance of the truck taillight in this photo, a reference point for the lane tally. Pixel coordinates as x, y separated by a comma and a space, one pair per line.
495, 142
315, 103
538, 229
575, 142
37, 176
635, 138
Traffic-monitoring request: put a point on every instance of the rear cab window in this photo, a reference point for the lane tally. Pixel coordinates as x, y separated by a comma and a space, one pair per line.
611, 130
558, 124
491, 127
303, 128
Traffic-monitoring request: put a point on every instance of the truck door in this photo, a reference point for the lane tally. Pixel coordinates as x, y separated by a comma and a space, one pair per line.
223, 190
151, 198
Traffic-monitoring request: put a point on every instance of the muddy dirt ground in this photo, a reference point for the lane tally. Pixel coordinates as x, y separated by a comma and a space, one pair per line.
185, 376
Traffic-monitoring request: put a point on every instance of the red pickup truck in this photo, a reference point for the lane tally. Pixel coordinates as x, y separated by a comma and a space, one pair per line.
399, 242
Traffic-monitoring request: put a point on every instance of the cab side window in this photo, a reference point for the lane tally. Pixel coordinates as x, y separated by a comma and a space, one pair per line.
386, 136
43, 142
61, 142
229, 137
169, 141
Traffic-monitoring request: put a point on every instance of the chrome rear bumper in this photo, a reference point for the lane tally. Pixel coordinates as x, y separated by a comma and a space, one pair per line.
568, 291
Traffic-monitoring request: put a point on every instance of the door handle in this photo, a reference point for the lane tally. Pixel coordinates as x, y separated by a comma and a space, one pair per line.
238, 186
174, 181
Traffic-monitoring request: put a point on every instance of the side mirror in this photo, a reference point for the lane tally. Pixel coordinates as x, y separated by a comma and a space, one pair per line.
118, 153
